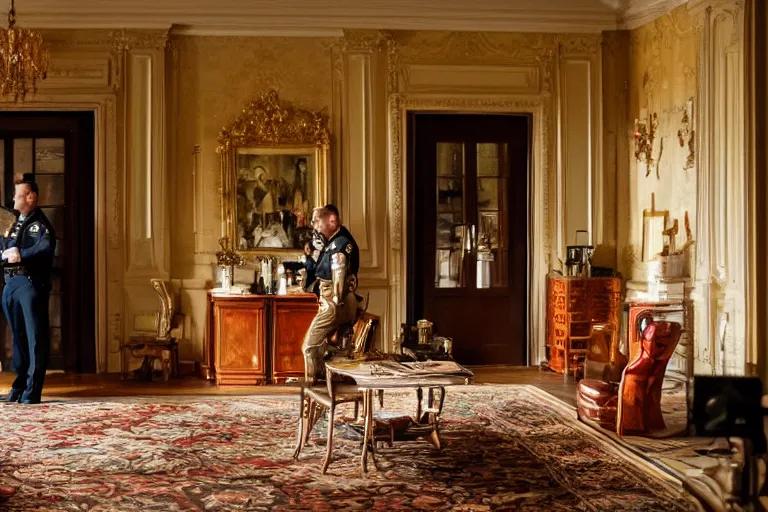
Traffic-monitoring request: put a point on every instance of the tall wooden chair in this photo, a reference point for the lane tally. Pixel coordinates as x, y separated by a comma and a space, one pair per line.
317, 399
161, 345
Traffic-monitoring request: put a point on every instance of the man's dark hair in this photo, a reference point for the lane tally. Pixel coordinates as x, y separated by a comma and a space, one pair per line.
330, 208
29, 180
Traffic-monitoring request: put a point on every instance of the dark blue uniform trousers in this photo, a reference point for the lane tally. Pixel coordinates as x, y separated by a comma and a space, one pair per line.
26, 308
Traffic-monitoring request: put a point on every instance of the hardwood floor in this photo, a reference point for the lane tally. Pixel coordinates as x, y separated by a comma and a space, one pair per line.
60, 385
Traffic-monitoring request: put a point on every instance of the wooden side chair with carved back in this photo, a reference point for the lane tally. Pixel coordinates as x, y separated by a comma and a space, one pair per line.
162, 344
317, 399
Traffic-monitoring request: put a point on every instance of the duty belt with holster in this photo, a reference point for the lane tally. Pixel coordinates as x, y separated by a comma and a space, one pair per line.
15, 271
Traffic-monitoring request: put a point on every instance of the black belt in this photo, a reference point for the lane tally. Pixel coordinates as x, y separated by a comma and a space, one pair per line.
15, 271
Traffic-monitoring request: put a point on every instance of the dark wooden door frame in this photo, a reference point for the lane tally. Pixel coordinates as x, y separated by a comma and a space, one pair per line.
78, 280
413, 284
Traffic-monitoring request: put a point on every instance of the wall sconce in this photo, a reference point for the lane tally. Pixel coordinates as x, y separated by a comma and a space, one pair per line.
644, 137
686, 135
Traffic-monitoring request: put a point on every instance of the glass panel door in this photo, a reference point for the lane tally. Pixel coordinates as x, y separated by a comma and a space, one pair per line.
492, 254
451, 223
468, 232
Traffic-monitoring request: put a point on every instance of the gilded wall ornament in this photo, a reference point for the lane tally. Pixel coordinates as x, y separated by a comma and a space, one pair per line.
686, 135
644, 135
268, 121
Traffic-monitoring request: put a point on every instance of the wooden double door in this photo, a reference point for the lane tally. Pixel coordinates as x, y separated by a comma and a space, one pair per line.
468, 232
58, 149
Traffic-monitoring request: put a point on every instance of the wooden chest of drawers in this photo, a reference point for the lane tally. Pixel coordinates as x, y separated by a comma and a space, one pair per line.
256, 339
574, 306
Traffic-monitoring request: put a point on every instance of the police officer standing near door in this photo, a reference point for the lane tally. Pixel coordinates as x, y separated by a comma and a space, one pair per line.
27, 254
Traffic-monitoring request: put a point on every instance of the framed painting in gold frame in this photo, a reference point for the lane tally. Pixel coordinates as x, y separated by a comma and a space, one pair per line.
274, 171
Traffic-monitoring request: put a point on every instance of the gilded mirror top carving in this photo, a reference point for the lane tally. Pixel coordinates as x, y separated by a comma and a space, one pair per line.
267, 121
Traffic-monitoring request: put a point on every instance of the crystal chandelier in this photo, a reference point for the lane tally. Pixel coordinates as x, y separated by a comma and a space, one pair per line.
23, 60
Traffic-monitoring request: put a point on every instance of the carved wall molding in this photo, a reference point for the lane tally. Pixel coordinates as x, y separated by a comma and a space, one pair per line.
471, 48
126, 40
546, 61
115, 199
360, 41
580, 45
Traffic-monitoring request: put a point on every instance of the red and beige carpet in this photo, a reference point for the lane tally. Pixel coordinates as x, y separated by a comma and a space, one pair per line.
508, 448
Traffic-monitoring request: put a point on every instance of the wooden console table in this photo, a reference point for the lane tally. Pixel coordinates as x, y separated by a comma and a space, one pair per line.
256, 339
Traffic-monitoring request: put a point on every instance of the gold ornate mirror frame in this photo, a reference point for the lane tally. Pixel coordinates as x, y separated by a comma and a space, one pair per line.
258, 151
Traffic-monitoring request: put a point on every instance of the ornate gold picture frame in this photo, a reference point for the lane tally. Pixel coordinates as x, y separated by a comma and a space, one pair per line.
274, 171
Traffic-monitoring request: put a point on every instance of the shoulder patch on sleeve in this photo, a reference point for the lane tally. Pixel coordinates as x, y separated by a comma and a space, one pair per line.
348, 249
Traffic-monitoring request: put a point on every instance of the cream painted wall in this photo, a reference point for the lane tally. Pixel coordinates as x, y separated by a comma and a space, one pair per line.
367, 81
696, 53
662, 77
160, 103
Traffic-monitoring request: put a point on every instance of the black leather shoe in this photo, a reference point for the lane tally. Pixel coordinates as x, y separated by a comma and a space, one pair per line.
30, 398
15, 395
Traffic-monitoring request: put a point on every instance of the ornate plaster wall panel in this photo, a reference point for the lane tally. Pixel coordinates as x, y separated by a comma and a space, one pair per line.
662, 80
83, 72
687, 68
721, 265
425, 78
662, 83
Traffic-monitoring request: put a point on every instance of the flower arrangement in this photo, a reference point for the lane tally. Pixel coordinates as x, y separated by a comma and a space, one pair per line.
227, 257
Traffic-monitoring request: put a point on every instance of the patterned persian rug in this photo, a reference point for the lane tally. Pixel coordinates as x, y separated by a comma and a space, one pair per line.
508, 448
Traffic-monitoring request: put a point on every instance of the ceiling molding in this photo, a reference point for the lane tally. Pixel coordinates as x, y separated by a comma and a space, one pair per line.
560, 22
641, 12
219, 17
327, 18
230, 31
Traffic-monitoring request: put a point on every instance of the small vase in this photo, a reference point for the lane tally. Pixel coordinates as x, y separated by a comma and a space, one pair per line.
226, 277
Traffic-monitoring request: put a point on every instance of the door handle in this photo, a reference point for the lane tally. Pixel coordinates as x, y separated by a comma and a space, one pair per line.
472, 238
467, 237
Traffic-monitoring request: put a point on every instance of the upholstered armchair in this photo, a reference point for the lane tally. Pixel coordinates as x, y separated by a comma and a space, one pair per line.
627, 397
641, 384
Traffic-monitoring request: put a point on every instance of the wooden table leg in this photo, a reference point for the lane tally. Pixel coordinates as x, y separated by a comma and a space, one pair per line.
367, 429
433, 417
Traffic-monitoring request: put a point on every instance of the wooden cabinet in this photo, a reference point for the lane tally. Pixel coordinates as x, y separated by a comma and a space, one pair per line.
255, 339
574, 306
290, 320
240, 334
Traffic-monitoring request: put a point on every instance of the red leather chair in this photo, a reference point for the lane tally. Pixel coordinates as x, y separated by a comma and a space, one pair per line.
632, 402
